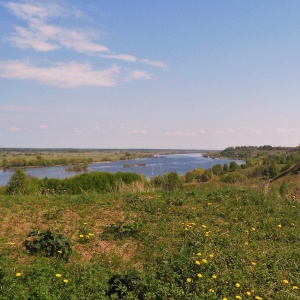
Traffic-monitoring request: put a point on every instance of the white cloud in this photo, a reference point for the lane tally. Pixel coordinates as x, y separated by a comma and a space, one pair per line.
17, 108
41, 35
138, 74
286, 130
14, 129
63, 75
43, 126
78, 131
255, 131
225, 131
138, 131
126, 57
180, 133
159, 64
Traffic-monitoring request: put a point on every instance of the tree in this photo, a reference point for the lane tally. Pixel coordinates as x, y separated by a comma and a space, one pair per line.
20, 183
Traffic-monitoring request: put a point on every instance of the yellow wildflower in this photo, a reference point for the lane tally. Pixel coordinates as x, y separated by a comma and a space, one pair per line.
248, 293
188, 280
238, 297
18, 274
211, 290
203, 226
58, 275
253, 263
285, 281
59, 251
66, 280
246, 243
295, 287
211, 255
279, 225
204, 261
199, 275
199, 254
81, 235
197, 262
258, 298
214, 276
237, 285
253, 228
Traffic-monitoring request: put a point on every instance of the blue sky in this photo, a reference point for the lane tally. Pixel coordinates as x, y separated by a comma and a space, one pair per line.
193, 74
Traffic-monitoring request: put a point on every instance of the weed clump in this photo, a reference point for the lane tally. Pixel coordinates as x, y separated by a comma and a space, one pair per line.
49, 244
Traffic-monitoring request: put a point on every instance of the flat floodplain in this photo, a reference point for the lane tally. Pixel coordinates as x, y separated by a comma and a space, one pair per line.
213, 242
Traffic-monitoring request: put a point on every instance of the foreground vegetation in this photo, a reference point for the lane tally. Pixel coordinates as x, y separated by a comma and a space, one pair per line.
216, 241
230, 232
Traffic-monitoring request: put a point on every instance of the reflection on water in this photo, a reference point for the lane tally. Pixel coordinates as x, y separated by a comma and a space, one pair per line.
158, 165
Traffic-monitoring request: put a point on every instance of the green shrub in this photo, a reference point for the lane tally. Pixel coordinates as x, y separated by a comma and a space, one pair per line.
49, 244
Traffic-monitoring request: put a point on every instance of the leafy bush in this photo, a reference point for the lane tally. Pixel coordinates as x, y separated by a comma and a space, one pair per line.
49, 244
121, 286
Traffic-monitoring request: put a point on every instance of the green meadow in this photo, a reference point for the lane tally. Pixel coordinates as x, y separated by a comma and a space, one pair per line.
215, 241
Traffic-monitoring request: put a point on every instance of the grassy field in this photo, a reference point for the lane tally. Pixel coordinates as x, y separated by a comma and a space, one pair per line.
211, 242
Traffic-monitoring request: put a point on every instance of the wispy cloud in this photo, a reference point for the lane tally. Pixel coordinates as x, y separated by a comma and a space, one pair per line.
158, 64
138, 131
63, 75
14, 129
255, 131
41, 35
286, 130
180, 133
138, 74
17, 108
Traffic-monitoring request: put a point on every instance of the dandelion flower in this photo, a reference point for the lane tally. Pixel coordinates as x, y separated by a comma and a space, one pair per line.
197, 262
253, 228
81, 235
253, 263
59, 251
85, 223
211, 290
246, 243
203, 226
224, 298
295, 287
193, 223
258, 298
279, 225
18, 274
237, 285
248, 293
204, 261
285, 281
199, 254
188, 280
209, 203
66, 280
58, 275
238, 297
199, 275
214, 276
211, 255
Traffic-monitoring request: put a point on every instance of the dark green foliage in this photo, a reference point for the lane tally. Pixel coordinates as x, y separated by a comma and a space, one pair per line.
20, 183
49, 244
121, 286
120, 230
167, 182
97, 182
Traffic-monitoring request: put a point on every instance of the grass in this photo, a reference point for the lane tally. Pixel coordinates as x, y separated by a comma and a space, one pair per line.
212, 242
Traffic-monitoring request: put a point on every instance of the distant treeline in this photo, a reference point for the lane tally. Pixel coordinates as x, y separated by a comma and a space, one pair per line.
41, 162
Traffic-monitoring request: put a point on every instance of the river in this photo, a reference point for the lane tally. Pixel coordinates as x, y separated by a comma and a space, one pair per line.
158, 165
